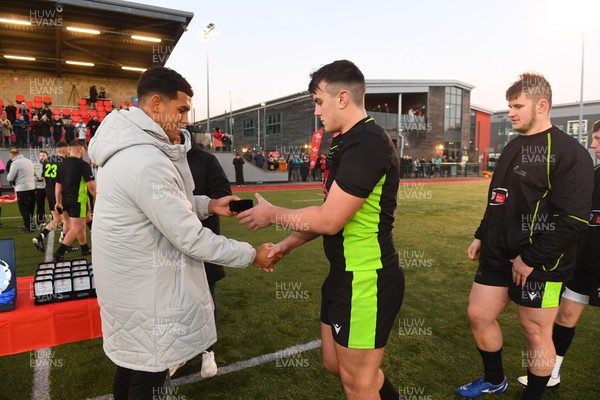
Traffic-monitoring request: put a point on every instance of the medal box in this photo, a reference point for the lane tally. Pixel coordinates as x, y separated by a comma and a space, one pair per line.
66, 280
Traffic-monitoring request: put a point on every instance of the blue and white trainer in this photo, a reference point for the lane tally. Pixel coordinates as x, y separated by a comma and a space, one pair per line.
480, 387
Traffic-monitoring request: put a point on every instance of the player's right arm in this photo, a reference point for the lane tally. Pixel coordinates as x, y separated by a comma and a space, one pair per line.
474, 250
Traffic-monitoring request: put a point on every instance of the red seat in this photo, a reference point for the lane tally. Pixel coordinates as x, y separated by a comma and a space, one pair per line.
108, 108
20, 98
122, 104
66, 112
93, 113
1, 103
82, 102
107, 103
76, 113
56, 111
28, 104
47, 100
37, 104
76, 118
100, 109
37, 99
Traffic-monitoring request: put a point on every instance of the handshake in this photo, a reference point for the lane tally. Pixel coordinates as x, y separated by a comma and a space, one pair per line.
267, 254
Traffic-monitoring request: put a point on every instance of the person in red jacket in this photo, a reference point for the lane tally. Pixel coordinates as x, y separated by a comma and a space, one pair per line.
217, 139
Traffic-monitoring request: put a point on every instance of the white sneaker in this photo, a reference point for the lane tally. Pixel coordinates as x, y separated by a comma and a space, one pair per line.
209, 366
552, 382
174, 369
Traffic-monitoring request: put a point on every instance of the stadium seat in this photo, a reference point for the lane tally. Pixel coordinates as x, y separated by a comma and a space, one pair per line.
66, 113
47, 101
122, 104
76, 118
1, 103
93, 113
108, 108
107, 103
37, 104
83, 102
76, 113
37, 99
56, 111
29, 105
20, 98
100, 109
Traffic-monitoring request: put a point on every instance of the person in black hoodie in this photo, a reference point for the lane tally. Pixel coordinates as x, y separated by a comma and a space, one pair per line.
539, 202
584, 287
209, 180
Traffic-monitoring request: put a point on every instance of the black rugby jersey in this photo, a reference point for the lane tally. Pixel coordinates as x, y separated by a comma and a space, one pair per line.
364, 163
539, 203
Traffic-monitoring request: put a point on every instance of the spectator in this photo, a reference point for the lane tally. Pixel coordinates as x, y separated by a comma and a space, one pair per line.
238, 164
93, 96
93, 124
69, 131
2, 169
5, 130
271, 164
217, 139
44, 129
259, 160
57, 128
227, 142
102, 93
20, 128
11, 111
34, 131
81, 131
47, 112
21, 173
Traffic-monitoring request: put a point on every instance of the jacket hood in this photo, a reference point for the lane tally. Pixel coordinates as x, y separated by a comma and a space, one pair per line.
133, 127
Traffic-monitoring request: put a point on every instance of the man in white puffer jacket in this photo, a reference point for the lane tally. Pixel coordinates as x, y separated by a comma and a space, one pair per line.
149, 245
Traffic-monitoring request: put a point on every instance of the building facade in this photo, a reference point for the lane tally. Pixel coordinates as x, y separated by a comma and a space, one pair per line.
424, 118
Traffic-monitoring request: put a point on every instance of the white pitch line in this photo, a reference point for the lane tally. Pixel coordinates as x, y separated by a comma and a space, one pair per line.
238, 366
43, 357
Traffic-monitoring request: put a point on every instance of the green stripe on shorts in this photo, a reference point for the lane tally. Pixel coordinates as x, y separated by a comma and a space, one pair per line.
363, 313
551, 294
82, 209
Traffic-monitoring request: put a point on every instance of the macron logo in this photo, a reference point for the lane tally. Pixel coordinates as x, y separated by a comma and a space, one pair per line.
337, 328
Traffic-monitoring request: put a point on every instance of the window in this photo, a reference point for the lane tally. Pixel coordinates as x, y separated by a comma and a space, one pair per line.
249, 128
453, 113
273, 124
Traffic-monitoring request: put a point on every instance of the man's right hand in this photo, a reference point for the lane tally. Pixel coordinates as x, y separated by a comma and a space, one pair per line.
262, 259
474, 249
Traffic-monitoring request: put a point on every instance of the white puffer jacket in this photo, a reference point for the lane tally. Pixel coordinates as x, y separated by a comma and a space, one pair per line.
149, 247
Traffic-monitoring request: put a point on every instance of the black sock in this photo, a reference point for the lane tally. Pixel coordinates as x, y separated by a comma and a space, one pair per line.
85, 247
492, 366
535, 386
62, 249
388, 391
89, 225
45, 232
562, 338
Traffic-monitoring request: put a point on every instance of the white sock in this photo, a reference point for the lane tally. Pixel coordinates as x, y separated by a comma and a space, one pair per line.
557, 364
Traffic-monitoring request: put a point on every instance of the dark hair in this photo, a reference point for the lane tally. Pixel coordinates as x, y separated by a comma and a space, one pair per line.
340, 73
77, 143
44, 151
533, 85
60, 145
164, 82
596, 126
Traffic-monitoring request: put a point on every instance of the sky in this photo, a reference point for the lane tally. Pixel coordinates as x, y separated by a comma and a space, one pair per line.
266, 49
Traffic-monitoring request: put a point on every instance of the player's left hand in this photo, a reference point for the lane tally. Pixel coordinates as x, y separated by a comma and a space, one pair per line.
520, 271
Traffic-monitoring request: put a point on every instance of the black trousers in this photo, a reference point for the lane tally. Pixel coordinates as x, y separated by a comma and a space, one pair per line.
26, 201
138, 385
40, 205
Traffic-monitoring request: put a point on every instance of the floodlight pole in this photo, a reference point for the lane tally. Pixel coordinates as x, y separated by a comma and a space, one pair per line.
581, 90
209, 28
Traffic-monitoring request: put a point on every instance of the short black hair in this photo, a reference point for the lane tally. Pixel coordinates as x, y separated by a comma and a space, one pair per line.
164, 82
61, 145
596, 126
340, 72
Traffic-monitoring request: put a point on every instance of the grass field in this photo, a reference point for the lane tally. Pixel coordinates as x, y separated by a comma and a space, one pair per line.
430, 351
